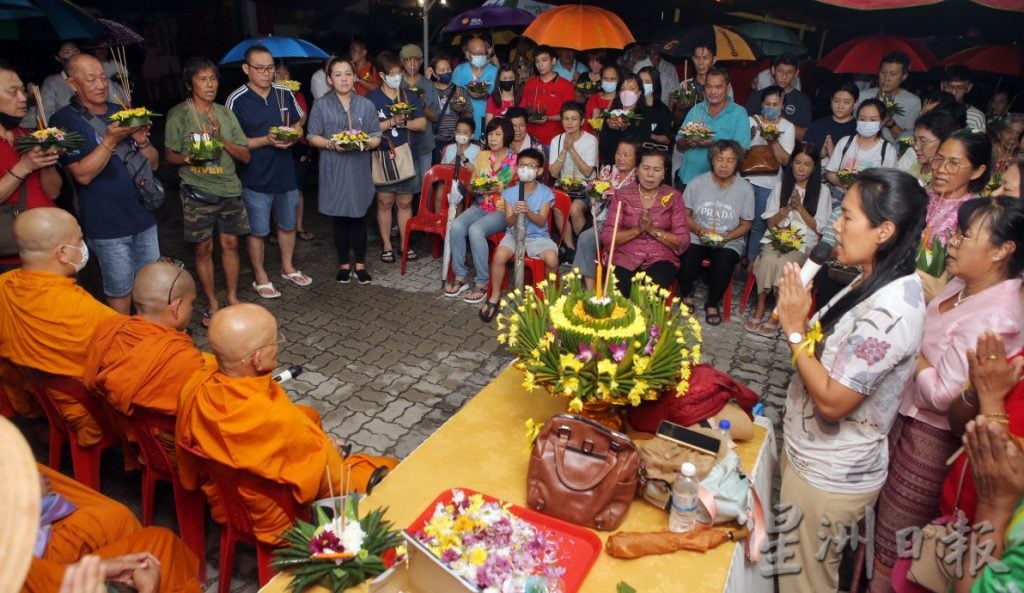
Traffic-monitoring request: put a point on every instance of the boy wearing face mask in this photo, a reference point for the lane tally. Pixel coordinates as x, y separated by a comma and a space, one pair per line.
536, 205
464, 150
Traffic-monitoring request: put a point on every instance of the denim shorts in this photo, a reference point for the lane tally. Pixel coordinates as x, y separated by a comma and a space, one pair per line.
258, 205
120, 258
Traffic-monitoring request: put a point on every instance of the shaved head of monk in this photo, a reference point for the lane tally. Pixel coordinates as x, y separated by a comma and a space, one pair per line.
50, 240
244, 339
163, 293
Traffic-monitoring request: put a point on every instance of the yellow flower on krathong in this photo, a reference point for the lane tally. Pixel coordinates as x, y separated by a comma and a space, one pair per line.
547, 339
570, 385
576, 405
637, 392
535, 353
696, 353
532, 431
478, 556
528, 382
501, 338
641, 364
571, 362
606, 366
665, 199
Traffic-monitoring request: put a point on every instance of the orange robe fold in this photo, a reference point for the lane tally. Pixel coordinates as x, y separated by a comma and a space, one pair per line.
47, 323
250, 424
135, 362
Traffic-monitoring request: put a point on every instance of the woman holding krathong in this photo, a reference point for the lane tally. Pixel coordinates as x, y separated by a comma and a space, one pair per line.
985, 261
650, 233
769, 129
601, 100
852, 362
624, 119
344, 126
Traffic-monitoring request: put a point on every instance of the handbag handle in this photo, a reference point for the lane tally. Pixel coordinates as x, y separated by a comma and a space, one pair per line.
560, 448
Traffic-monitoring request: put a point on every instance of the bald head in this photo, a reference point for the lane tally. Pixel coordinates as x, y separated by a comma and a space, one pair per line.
41, 231
155, 281
80, 63
239, 331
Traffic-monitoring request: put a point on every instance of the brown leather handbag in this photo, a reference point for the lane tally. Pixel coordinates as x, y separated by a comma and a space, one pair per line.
760, 160
582, 472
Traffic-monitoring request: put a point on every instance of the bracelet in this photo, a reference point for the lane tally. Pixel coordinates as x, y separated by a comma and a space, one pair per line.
107, 147
15, 175
998, 417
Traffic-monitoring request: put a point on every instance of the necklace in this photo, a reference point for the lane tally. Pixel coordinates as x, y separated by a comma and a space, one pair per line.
645, 196
960, 298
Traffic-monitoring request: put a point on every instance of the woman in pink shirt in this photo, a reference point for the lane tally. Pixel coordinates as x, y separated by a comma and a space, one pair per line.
652, 229
986, 262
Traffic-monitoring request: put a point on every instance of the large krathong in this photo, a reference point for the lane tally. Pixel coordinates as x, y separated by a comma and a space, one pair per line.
593, 347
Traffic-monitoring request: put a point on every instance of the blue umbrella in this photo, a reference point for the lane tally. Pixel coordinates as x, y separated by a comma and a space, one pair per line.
18, 19
280, 47
489, 17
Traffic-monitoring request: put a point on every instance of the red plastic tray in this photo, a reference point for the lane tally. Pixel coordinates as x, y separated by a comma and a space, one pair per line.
578, 547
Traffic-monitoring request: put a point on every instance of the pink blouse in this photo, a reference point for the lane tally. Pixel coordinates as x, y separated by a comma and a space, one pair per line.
948, 336
668, 213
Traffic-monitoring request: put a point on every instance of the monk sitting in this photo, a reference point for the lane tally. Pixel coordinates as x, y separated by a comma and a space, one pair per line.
47, 321
146, 359
236, 414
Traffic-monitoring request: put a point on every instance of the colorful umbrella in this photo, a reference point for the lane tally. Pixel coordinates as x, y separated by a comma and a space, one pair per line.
879, 4
46, 19
489, 17
863, 54
280, 47
530, 6
774, 39
118, 35
729, 45
580, 27
1007, 60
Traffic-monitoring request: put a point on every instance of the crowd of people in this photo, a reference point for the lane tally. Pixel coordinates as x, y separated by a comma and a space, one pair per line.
897, 360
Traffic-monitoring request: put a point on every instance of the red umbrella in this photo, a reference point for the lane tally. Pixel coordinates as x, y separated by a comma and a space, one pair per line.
863, 54
879, 4
998, 59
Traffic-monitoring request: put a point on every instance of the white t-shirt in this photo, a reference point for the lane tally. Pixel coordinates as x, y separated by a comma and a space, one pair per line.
586, 147
849, 155
908, 101
872, 350
787, 139
318, 84
794, 219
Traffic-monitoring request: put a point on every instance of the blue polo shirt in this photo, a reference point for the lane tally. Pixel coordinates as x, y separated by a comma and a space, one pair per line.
109, 206
271, 169
463, 75
730, 124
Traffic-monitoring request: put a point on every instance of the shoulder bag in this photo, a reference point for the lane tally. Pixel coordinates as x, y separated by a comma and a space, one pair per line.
393, 165
760, 160
8, 213
582, 472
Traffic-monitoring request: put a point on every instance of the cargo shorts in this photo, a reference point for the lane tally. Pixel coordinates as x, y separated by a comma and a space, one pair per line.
203, 212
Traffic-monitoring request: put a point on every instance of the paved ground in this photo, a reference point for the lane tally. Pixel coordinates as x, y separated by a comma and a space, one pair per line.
387, 363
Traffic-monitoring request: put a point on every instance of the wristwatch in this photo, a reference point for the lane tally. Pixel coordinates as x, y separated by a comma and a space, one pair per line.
795, 338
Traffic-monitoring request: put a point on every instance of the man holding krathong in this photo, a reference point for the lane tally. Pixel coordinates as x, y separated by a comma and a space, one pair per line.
236, 414
120, 229
720, 115
477, 75
272, 121
30, 179
205, 139
902, 105
544, 95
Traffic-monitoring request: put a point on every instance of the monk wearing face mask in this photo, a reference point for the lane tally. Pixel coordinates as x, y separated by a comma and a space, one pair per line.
47, 321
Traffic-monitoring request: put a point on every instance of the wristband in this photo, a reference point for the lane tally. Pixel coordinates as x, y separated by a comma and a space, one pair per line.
15, 175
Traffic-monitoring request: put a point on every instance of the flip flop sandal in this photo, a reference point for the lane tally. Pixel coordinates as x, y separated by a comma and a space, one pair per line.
387, 257
297, 278
206, 318
753, 324
488, 312
266, 291
306, 236
769, 329
411, 255
712, 318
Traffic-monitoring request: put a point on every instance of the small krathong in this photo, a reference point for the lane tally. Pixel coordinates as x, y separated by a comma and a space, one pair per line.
202, 147
486, 544
341, 551
291, 85
786, 239
478, 89
696, 131
891, 106
931, 254
586, 87
285, 133
770, 132
571, 185
48, 139
401, 108
350, 140
623, 116
687, 95
133, 117
484, 185
847, 176
599, 189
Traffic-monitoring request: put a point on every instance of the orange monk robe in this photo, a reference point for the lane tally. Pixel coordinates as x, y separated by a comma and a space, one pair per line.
108, 529
18, 391
47, 323
250, 424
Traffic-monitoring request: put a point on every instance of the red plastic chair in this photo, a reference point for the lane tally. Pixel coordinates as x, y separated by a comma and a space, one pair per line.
426, 220
534, 266
6, 409
239, 524
189, 505
747, 289
85, 460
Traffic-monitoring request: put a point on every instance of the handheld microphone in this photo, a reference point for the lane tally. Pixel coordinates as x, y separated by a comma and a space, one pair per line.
288, 374
820, 256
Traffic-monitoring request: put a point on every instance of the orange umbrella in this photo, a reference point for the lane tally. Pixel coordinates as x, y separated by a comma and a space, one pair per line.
580, 27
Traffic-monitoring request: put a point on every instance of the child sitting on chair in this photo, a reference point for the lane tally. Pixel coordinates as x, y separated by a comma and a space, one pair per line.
536, 205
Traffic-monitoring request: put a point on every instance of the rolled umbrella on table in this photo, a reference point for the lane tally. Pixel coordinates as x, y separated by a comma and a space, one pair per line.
626, 545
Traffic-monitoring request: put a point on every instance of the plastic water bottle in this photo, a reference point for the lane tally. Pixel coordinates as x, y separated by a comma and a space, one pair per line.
724, 427
683, 513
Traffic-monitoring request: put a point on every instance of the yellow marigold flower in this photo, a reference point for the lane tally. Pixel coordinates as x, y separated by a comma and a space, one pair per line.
576, 405
478, 556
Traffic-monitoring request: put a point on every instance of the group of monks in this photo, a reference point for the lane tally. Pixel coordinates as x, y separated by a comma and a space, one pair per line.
227, 406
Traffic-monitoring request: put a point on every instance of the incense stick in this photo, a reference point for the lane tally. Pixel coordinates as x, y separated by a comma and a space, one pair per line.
611, 250
195, 114
40, 107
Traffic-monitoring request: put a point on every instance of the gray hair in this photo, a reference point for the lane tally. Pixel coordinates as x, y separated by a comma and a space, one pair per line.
719, 146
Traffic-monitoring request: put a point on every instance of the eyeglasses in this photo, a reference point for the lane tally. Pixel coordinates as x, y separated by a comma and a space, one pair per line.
654, 146
181, 267
923, 141
957, 239
952, 167
280, 340
263, 69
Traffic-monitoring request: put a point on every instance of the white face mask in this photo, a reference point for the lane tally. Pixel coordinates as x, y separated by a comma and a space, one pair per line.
527, 174
648, 89
393, 80
868, 128
84, 250
460, 139
478, 61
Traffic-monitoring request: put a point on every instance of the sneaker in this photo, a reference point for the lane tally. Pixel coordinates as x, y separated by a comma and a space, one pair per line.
475, 295
344, 274
363, 276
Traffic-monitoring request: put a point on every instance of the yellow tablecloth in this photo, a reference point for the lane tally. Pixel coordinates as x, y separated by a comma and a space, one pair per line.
483, 447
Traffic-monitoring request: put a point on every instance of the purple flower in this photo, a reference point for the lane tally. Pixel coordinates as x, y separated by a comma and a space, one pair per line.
325, 542
872, 350
449, 556
655, 333
618, 351
586, 353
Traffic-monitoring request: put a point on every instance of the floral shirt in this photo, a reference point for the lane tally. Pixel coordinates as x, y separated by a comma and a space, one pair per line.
941, 217
872, 349
504, 171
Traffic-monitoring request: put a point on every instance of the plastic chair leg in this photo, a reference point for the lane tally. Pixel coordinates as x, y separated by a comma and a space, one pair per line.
727, 303
56, 446
747, 289
264, 553
190, 507
149, 478
437, 245
227, 559
405, 249
86, 463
